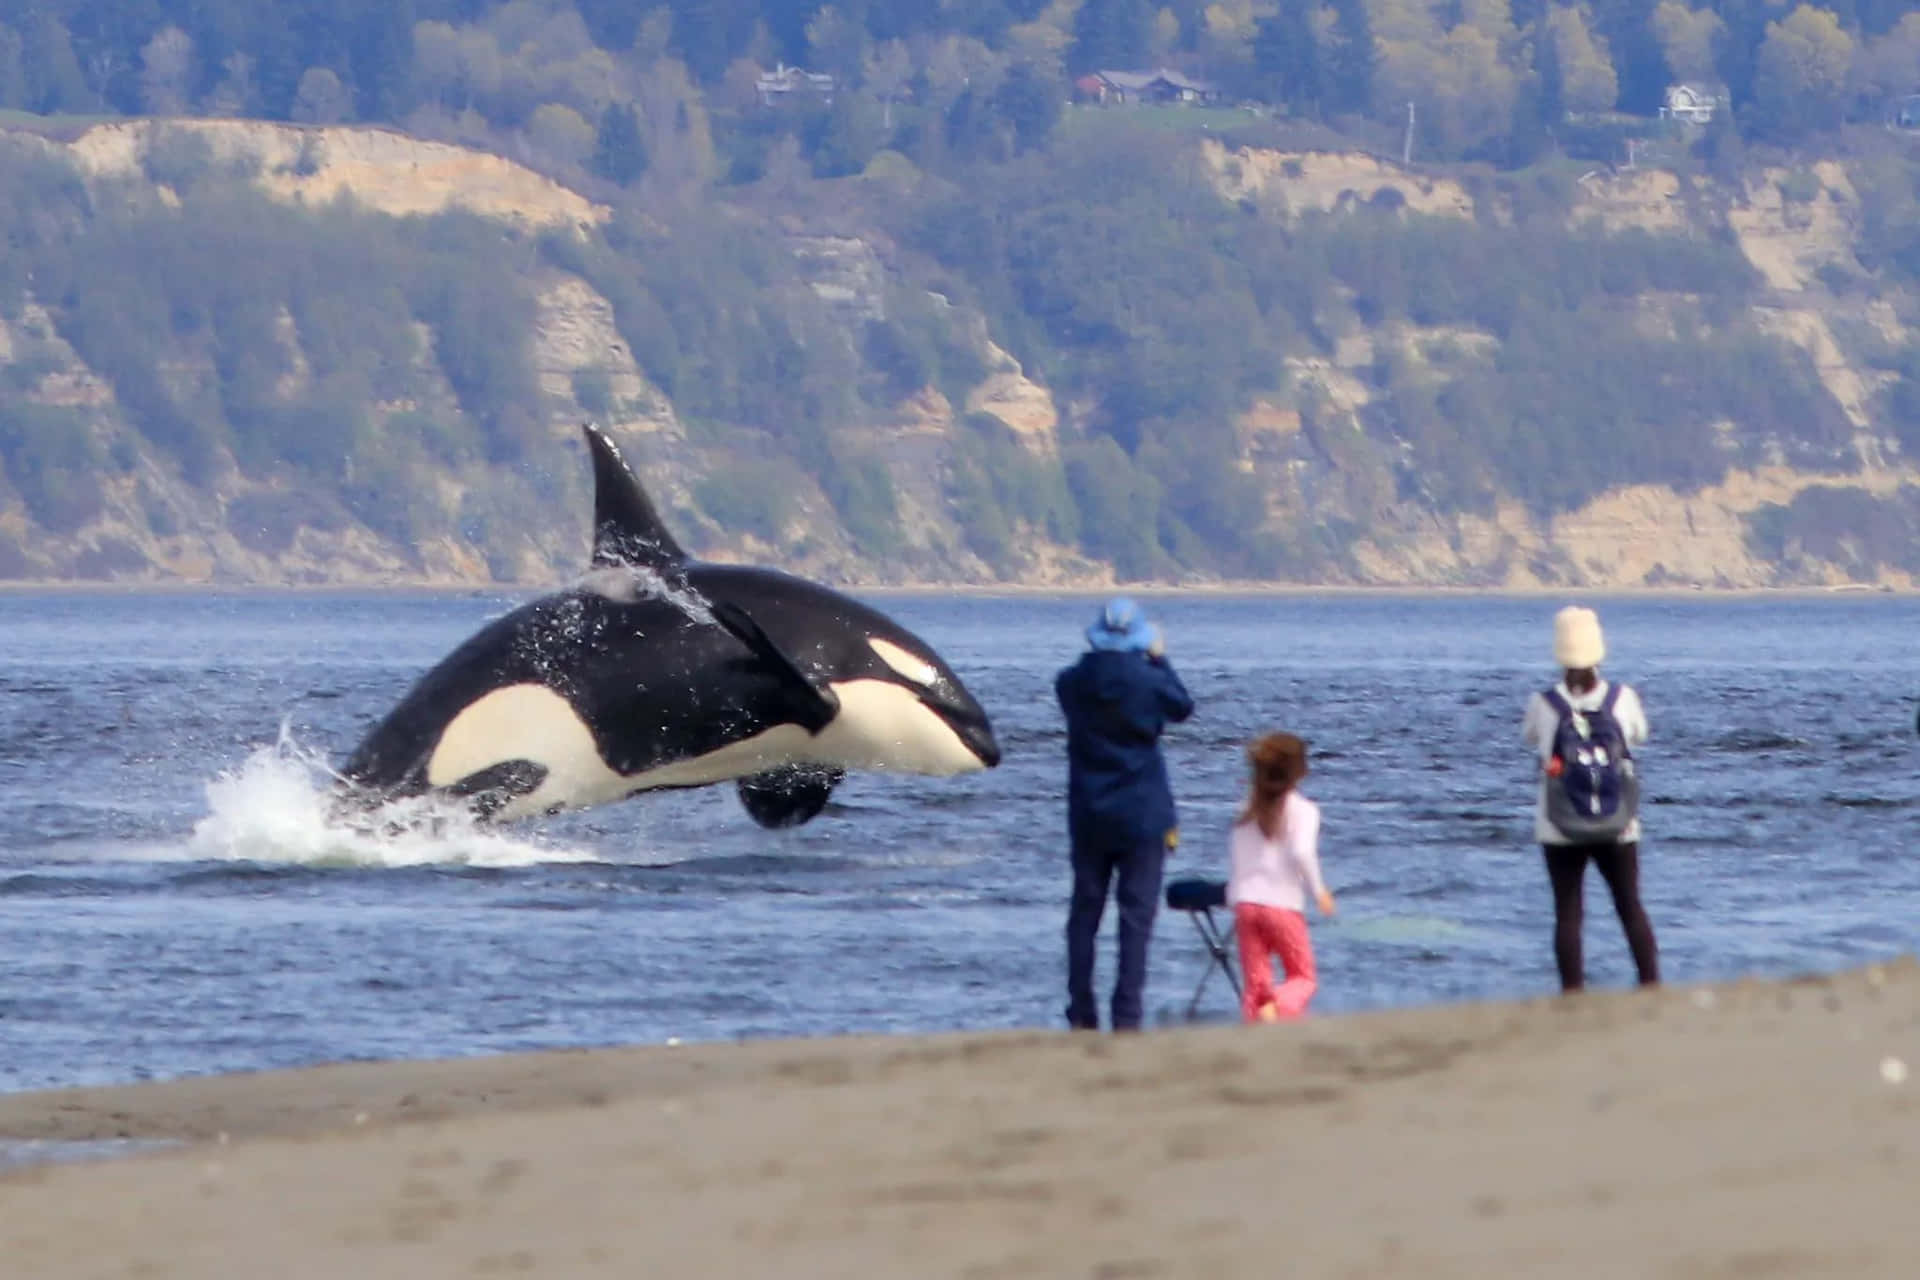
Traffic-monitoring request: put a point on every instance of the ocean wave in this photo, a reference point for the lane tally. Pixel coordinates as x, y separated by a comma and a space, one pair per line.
278, 807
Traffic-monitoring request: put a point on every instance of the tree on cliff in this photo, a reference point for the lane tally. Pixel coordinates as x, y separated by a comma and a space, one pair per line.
1889, 65
559, 133
1113, 34
166, 72
55, 82
1463, 90
13, 70
1030, 101
1687, 39
619, 152
836, 45
1587, 80
1288, 65
1625, 27
322, 98
709, 34
1800, 77
1351, 59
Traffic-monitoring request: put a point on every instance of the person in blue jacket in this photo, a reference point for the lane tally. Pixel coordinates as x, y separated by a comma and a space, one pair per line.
1118, 699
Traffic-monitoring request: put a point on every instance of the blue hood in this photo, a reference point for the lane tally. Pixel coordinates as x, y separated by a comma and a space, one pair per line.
1122, 627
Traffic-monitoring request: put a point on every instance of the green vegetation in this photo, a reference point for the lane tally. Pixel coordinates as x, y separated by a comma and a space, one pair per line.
1002, 491
1899, 402
53, 462
1169, 308
1842, 525
718, 314
753, 495
354, 357
230, 326
652, 92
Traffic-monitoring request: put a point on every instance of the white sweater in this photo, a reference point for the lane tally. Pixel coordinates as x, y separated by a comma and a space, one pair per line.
1280, 872
1540, 725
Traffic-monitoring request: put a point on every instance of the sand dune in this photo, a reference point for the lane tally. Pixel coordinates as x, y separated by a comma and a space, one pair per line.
1754, 1129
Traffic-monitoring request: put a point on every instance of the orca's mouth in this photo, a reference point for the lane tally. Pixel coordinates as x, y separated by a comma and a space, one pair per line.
971, 727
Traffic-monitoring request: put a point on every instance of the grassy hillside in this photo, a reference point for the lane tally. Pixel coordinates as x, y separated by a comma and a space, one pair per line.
1118, 351
926, 312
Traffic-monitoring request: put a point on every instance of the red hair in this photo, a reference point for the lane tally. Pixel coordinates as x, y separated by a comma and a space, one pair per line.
1277, 763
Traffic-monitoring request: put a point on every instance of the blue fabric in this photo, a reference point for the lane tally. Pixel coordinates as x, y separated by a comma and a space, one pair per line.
1122, 627
1196, 894
1117, 703
1133, 872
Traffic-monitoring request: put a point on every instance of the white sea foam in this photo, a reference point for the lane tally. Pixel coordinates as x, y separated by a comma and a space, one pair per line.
628, 583
278, 807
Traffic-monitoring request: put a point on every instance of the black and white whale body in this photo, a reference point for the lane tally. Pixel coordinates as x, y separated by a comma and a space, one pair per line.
656, 671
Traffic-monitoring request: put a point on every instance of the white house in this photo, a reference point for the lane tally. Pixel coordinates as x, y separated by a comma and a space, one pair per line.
1693, 102
786, 84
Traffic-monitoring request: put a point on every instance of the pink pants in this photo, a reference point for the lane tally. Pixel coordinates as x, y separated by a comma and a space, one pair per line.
1263, 931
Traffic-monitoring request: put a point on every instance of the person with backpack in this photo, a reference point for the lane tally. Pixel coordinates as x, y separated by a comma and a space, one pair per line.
1117, 699
1585, 729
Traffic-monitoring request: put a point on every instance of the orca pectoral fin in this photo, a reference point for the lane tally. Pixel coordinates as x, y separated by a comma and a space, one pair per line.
790, 796
815, 705
493, 788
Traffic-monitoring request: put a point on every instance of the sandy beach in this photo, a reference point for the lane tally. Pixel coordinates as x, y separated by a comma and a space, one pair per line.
1750, 1129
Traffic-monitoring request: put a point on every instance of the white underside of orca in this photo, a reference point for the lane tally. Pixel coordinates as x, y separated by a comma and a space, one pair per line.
880, 726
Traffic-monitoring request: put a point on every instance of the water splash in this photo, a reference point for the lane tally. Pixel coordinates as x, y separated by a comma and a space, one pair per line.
278, 807
628, 583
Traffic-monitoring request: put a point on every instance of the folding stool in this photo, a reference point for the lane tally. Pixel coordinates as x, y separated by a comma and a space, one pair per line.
1198, 897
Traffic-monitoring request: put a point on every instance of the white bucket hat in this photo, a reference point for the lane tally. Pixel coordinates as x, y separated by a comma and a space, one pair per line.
1577, 643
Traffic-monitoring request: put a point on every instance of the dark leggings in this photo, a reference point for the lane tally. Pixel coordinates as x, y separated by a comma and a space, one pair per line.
1620, 866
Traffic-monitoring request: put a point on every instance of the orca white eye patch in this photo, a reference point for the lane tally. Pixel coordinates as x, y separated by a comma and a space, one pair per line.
918, 670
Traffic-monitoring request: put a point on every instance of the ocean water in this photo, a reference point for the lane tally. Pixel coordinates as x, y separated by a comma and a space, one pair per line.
172, 901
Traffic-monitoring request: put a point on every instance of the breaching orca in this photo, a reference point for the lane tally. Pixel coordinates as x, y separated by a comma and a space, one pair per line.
657, 671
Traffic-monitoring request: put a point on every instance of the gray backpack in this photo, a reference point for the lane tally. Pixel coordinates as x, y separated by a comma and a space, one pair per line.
1593, 792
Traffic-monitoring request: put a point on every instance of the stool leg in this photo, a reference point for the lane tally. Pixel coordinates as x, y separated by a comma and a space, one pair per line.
1193, 1005
1219, 945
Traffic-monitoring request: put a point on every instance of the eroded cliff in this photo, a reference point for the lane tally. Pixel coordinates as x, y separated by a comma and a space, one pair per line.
1321, 445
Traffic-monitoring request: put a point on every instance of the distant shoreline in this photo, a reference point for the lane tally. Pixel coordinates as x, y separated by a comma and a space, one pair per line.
982, 590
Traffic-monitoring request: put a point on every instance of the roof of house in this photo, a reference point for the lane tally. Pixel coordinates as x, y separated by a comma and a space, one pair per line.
1696, 88
784, 77
1134, 81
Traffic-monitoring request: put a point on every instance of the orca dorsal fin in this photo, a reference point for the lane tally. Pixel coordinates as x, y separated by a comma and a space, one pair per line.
626, 528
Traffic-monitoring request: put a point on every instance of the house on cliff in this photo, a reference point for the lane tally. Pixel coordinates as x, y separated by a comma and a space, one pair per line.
1693, 102
1160, 85
786, 84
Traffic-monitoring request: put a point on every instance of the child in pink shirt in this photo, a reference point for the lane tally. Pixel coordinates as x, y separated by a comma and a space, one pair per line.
1276, 861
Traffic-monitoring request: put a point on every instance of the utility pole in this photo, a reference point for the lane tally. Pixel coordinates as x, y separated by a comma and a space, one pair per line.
1406, 147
